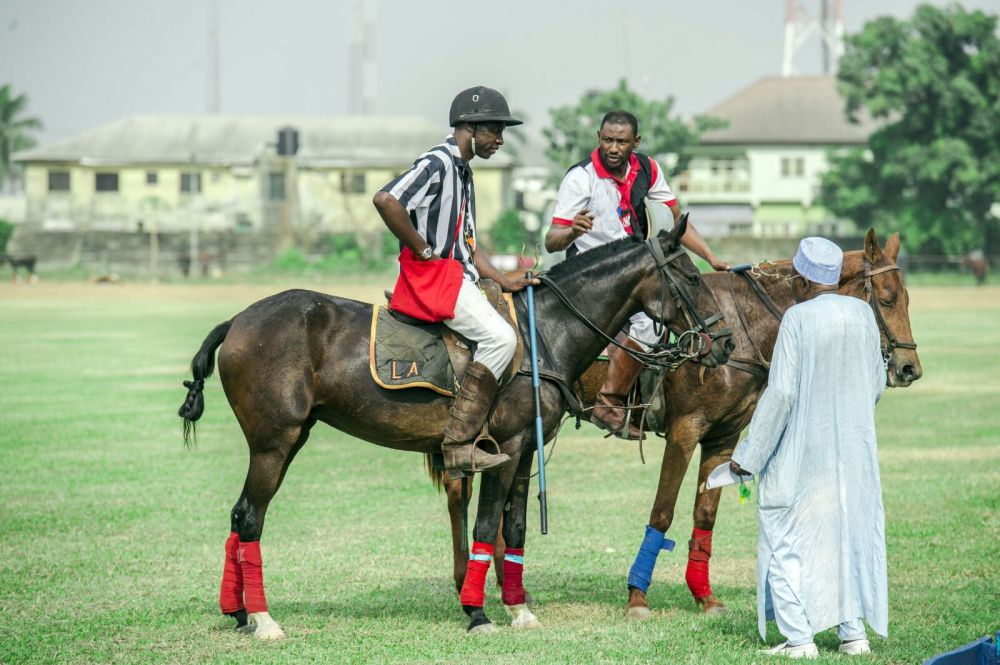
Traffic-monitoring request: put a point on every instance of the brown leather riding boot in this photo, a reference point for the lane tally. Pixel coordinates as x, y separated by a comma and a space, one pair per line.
609, 408
462, 445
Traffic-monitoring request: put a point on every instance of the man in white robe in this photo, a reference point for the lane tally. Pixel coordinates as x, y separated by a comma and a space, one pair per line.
821, 554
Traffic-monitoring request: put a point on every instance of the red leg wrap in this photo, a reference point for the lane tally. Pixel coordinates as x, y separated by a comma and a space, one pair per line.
513, 568
231, 593
253, 577
474, 588
699, 552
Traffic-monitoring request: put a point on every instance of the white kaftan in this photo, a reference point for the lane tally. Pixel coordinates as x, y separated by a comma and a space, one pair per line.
812, 447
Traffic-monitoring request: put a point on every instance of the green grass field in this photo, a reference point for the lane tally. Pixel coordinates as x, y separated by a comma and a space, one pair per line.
112, 533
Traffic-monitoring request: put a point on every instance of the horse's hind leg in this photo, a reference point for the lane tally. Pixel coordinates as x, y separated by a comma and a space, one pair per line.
706, 506
242, 592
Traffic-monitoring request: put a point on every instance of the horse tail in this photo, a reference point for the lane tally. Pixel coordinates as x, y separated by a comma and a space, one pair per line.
436, 475
202, 367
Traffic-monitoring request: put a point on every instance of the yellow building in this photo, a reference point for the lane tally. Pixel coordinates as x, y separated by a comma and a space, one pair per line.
219, 172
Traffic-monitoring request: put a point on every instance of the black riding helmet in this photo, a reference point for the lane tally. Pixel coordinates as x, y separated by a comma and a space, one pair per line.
480, 104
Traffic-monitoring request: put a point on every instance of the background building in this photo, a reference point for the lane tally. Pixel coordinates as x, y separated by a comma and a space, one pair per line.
222, 174
760, 176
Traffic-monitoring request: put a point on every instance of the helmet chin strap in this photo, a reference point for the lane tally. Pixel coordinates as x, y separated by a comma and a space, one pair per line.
474, 139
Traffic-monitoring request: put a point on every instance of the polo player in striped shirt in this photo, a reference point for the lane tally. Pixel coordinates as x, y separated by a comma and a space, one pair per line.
431, 209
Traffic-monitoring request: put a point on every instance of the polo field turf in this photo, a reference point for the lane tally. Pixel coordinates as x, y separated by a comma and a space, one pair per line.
112, 533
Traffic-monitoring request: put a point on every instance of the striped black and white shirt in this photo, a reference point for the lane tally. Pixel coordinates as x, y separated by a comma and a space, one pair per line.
433, 191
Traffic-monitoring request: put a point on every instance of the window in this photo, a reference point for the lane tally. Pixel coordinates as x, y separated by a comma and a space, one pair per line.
793, 167
190, 183
58, 181
152, 177
352, 183
275, 187
106, 182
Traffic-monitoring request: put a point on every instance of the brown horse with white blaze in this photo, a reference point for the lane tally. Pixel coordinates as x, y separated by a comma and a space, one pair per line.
713, 406
300, 357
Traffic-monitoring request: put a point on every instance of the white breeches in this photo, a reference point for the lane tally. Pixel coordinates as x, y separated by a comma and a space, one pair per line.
495, 340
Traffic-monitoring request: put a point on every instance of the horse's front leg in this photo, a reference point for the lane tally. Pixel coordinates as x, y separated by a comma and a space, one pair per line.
706, 506
460, 551
514, 529
493, 491
682, 437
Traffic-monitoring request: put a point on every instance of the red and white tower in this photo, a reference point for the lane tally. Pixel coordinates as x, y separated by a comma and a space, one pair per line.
800, 25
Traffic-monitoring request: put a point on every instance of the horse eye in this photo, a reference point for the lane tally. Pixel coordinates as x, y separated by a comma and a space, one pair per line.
887, 303
693, 279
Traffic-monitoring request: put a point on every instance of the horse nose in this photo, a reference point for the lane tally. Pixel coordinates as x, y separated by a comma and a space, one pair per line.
729, 347
910, 373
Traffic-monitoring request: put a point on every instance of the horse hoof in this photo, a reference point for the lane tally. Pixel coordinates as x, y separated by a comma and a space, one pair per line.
263, 627
638, 613
521, 617
711, 605
484, 629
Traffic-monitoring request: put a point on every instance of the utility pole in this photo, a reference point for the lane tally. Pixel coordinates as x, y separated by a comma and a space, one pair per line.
213, 97
363, 67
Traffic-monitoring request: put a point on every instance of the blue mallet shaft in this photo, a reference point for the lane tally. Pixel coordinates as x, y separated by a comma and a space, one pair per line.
536, 389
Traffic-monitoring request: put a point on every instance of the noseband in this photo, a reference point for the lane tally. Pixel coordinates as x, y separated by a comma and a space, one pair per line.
699, 331
887, 349
698, 339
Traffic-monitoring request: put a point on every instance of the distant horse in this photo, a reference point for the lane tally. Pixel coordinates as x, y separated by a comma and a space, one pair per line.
976, 262
16, 263
299, 357
713, 406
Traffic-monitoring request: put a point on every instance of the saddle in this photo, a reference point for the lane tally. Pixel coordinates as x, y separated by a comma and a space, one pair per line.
408, 353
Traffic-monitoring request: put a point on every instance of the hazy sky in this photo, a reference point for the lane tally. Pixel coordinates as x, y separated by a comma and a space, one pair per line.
88, 62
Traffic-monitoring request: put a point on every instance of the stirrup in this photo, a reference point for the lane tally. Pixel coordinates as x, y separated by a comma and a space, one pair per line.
484, 436
621, 432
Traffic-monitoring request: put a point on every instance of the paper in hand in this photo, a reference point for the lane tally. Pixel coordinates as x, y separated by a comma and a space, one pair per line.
722, 475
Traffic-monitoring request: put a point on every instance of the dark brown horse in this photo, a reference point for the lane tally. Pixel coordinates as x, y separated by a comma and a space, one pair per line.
300, 357
713, 406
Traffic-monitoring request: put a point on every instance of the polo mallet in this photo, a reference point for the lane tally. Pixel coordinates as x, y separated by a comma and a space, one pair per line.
536, 389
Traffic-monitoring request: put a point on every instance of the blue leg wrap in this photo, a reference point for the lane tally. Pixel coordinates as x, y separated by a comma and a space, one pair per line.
641, 573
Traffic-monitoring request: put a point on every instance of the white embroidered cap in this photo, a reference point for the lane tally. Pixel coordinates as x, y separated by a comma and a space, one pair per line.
819, 260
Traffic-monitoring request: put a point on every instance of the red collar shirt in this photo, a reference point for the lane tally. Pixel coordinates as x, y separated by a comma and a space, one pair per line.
589, 185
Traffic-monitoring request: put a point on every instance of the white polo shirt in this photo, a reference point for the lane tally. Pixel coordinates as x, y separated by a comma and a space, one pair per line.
589, 185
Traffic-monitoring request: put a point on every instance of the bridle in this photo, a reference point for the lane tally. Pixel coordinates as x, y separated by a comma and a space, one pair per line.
690, 344
889, 348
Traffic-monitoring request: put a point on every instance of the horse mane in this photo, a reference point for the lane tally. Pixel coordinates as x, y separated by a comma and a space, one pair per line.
572, 266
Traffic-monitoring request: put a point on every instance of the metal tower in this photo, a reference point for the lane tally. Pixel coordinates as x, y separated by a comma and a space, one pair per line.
361, 91
800, 26
212, 94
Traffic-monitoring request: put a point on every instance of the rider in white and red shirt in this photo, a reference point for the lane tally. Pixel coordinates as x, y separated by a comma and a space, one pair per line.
604, 198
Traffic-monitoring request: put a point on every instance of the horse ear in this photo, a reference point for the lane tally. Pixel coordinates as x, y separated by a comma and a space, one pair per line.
891, 250
679, 229
872, 249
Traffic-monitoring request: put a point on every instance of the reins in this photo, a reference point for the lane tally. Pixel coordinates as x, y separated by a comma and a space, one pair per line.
669, 356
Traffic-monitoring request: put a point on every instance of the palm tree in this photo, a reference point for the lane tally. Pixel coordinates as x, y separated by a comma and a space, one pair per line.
14, 130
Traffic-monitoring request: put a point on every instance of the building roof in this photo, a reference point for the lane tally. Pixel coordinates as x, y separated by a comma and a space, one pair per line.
331, 141
797, 110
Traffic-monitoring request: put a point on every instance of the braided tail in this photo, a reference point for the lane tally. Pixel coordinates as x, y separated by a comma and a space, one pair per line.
202, 367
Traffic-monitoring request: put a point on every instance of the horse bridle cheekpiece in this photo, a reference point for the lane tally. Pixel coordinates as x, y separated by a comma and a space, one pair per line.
690, 344
893, 343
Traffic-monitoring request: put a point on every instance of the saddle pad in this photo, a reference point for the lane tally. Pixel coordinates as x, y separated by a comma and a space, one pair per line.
407, 356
